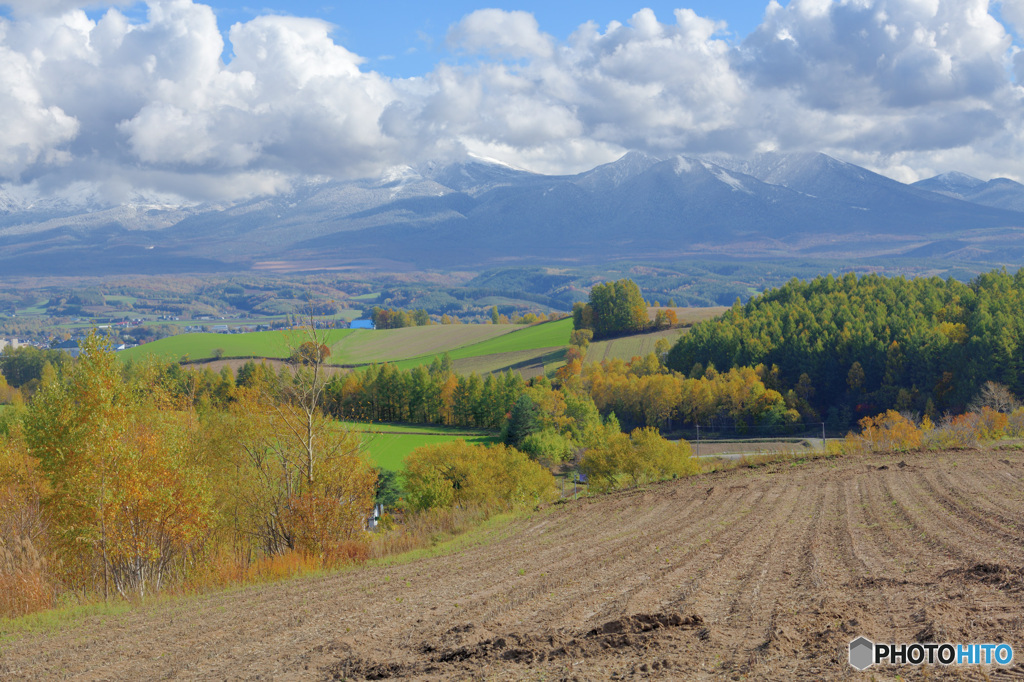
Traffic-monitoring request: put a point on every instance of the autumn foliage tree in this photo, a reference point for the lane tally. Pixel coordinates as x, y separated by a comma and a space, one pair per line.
126, 496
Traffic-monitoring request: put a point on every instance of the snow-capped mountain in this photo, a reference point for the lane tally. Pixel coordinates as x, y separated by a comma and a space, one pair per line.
480, 212
998, 192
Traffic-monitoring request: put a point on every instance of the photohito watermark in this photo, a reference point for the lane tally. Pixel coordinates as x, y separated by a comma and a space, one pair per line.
864, 653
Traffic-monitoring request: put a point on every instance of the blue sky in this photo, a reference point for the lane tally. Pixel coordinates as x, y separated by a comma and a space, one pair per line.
216, 100
406, 38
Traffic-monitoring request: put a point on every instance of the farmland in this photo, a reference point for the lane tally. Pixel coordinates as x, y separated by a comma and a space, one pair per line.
689, 316
638, 345
627, 347
762, 573
546, 337
389, 450
364, 346
407, 347
200, 346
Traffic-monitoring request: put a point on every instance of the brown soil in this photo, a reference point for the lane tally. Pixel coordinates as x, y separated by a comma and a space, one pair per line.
763, 573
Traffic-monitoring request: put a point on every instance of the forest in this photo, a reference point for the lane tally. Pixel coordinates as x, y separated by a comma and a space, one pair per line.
864, 345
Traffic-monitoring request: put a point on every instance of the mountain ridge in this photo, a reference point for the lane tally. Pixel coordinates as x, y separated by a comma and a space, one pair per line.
478, 213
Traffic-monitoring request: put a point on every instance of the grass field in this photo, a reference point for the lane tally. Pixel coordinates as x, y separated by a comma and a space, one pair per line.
389, 444
548, 335
389, 450
529, 363
410, 346
364, 346
628, 347
272, 344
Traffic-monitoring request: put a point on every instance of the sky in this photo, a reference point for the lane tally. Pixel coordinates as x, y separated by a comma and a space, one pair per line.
181, 100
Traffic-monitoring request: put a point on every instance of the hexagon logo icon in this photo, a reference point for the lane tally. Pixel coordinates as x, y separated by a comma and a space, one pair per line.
862, 652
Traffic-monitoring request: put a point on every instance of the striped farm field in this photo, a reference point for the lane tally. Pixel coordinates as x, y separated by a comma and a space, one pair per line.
627, 347
201, 346
529, 363
547, 335
365, 346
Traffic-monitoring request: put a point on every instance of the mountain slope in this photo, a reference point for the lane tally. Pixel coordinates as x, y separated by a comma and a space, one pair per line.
479, 213
997, 193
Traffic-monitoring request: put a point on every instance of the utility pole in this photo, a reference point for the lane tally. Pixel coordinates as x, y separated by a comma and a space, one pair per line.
698, 440
823, 436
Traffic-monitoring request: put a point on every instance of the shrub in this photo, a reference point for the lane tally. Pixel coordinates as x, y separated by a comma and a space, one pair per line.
890, 432
548, 446
1015, 423
641, 457
955, 432
460, 474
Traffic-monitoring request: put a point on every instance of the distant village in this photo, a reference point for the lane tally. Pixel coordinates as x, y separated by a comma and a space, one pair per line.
117, 330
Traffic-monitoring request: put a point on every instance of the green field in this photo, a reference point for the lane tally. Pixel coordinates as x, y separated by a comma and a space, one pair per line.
199, 346
529, 363
389, 444
478, 347
389, 450
546, 336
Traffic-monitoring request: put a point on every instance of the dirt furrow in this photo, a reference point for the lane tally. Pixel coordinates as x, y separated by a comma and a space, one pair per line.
988, 528
762, 573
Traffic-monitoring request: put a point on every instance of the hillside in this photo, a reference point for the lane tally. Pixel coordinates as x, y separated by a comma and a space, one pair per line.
351, 346
758, 573
202, 345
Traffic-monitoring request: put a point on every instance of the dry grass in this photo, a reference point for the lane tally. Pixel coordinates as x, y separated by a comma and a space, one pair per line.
391, 345
628, 347
25, 585
688, 316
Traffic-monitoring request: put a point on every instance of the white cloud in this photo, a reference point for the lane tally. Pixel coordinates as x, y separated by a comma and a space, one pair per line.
500, 33
905, 86
31, 130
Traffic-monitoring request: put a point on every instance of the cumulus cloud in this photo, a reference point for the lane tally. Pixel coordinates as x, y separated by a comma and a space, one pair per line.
903, 86
31, 130
501, 33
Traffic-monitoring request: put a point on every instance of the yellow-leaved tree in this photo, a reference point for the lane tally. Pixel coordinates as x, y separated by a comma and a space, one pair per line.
127, 497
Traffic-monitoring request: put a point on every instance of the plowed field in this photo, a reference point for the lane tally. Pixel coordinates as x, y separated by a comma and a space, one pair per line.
762, 573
